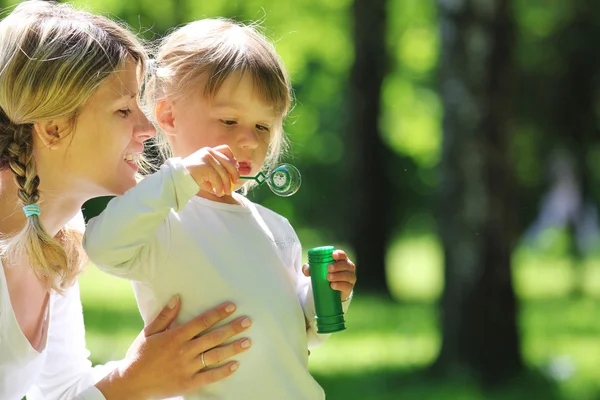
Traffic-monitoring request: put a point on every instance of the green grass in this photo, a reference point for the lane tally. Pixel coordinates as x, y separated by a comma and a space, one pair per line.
388, 345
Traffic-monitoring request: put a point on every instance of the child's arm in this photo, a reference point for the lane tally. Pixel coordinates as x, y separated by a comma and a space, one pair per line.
117, 239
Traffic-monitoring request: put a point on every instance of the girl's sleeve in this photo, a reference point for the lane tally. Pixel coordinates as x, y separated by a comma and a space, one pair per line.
130, 237
67, 373
305, 295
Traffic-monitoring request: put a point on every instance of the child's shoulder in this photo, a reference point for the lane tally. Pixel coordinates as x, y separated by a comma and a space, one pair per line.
271, 216
284, 235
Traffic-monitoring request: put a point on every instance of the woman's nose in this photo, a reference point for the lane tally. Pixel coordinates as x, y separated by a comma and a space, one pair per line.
144, 129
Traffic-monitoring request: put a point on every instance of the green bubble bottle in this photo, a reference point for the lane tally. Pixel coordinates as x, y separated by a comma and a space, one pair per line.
328, 303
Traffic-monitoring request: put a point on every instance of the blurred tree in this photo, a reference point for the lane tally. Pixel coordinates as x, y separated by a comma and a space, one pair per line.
574, 117
479, 309
371, 188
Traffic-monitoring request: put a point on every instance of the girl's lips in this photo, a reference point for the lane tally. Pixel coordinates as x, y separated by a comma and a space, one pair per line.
245, 170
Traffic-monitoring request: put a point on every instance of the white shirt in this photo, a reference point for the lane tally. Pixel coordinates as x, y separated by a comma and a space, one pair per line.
169, 241
61, 370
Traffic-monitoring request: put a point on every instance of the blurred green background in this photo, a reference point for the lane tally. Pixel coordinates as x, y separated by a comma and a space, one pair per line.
450, 147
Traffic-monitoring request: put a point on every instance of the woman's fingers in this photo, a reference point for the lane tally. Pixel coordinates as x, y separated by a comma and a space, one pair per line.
201, 323
208, 376
206, 341
165, 318
219, 354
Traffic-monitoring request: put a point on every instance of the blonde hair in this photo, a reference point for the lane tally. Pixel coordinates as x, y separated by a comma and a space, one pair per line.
203, 54
52, 59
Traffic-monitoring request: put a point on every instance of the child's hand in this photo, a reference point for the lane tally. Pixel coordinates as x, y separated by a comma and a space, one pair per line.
215, 169
342, 274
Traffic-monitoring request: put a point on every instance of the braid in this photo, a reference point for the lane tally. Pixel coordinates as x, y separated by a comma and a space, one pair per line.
22, 164
47, 255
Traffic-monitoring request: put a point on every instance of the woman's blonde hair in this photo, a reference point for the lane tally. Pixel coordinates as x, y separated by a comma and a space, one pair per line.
52, 59
203, 54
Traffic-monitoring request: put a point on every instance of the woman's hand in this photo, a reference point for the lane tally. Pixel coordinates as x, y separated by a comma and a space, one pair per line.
166, 362
341, 274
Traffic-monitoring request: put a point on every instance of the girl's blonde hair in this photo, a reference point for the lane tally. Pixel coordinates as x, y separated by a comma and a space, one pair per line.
52, 59
203, 54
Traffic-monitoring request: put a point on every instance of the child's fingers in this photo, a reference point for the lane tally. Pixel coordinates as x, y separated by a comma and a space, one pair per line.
225, 150
345, 265
345, 276
219, 177
306, 270
343, 287
339, 255
226, 158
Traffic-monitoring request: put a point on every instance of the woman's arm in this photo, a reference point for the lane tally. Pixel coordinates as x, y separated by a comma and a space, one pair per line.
67, 370
161, 363
168, 362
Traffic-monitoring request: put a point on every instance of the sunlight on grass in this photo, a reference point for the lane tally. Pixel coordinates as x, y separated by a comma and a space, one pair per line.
102, 289
373, 352
415, 269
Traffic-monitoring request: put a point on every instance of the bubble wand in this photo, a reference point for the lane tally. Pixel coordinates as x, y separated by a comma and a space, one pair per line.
284, 180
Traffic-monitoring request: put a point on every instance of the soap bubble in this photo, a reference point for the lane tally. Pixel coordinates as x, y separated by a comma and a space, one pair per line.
284, 180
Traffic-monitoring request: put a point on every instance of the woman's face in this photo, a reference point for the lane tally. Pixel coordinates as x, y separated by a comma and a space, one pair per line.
99, 156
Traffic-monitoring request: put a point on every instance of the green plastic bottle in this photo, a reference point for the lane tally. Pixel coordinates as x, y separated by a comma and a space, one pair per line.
328, 304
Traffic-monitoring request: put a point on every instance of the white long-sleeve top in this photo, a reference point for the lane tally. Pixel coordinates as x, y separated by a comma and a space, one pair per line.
168, 241
61, 370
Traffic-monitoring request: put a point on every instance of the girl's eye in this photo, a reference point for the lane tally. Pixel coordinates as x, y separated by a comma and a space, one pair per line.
263, 128
228, 122
125, 113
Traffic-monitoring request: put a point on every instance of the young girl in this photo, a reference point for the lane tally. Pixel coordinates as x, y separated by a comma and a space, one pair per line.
220, 94
68, 117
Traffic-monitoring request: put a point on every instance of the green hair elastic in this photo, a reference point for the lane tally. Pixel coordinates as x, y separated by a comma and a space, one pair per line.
31, 209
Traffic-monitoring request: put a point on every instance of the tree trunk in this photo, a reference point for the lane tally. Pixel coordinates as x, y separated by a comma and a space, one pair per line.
370, 185
478, 310
574, 115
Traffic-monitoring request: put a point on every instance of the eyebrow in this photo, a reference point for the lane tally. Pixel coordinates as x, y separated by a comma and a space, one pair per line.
119, 96
224, 104
129, 94
237, 105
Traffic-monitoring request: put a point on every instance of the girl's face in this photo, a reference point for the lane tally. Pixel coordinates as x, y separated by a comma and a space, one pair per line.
236, 117
97, 156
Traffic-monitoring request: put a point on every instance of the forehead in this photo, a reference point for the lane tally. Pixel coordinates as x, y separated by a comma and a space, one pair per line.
122, 83
240, 92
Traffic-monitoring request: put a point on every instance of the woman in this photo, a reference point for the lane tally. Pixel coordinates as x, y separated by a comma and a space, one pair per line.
70, 130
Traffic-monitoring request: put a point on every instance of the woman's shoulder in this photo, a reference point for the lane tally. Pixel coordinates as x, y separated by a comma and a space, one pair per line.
77, 222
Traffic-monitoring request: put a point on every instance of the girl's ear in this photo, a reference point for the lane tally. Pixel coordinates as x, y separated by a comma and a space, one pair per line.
165, 117
51, 133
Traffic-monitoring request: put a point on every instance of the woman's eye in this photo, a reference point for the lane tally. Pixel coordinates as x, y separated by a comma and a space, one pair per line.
228, 122
125, 113
263, 128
